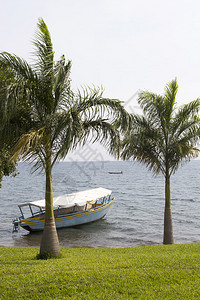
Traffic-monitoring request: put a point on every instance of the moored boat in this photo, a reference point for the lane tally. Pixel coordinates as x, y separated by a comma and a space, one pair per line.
69, 210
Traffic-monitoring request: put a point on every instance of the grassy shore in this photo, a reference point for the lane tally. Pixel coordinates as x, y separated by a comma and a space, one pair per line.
154, 272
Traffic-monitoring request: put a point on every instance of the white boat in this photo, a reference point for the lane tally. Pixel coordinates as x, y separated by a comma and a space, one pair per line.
69, 210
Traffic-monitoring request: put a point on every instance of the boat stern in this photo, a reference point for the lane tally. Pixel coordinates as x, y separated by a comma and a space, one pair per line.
16, 224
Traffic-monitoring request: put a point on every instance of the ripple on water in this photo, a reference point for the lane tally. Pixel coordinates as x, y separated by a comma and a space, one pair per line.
136, 216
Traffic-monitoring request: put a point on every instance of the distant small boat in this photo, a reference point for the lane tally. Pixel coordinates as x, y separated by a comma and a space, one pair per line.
120, 172
69, 210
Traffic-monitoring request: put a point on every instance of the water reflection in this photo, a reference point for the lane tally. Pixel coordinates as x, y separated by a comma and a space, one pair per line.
79, 236
27, 239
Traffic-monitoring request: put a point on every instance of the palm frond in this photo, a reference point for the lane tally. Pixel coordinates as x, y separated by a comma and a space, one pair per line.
153, 106
143, 143
61, 87
90, 102
103, 131
186, 124
171, 90
20, 67
27, 143
67, 130
43, 50
162, 138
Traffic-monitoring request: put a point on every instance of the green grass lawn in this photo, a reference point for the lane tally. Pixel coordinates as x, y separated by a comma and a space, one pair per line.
153, 272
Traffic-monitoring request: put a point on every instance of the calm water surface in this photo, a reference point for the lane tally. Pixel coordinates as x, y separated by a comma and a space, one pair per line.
135, 218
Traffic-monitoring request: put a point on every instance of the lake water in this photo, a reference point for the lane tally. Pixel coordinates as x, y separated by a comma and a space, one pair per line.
135, 218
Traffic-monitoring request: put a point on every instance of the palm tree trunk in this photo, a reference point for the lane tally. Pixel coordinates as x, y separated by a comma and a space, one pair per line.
168, 228
49, 242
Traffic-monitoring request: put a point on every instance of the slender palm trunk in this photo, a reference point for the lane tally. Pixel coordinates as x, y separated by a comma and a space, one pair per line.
168, 228
49, 242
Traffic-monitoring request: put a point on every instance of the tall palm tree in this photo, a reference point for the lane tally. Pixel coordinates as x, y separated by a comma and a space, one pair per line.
60, 119
162, 138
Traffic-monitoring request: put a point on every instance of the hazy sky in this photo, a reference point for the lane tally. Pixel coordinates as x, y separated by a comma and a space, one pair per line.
125, 46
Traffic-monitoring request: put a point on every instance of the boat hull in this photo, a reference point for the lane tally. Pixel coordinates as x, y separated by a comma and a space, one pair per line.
69, 220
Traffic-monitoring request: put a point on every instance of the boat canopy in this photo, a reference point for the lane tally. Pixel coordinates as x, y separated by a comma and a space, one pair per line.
69, 200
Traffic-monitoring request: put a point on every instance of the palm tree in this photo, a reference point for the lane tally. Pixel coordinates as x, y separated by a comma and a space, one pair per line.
60, 119
162, 138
